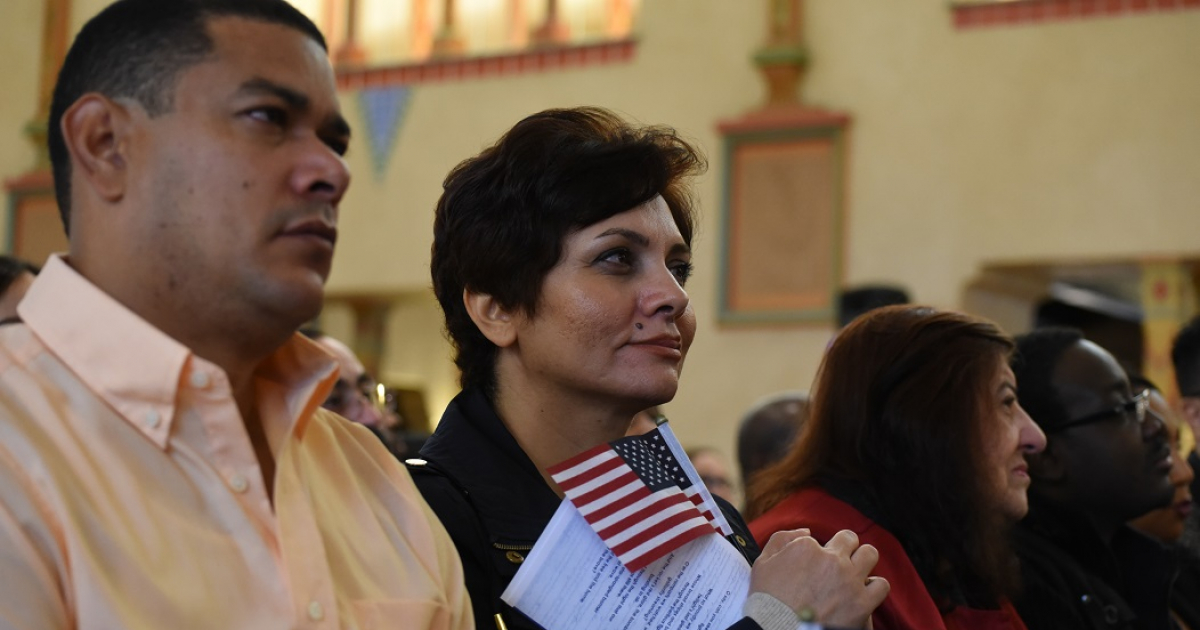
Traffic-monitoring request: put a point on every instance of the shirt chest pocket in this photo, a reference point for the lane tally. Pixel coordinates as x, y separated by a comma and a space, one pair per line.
399, 613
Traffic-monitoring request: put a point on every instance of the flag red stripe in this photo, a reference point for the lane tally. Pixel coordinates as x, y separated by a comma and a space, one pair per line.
633, 497
699, 502
601, 480
599, 492
578, 459
660, 503
640, 562
598, 469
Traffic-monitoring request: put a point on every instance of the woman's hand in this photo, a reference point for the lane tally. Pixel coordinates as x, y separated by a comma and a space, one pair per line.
833, 581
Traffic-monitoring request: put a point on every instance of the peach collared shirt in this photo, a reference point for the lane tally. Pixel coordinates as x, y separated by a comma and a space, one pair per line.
130, 495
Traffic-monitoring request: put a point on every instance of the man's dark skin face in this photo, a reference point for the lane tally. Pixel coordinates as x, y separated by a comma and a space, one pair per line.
1114, 469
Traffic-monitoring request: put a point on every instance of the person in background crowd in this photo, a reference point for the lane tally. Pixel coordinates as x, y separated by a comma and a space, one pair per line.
915, 441
645, 421
858, 301
1185, 355
1107, 461
164, 462
560, 257
767, 431
354, 396
358, 397
16, 276
1168, 524
713, 471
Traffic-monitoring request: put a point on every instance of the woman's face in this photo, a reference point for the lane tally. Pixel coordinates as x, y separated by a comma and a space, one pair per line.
1011, 435
1167, 524
613, 322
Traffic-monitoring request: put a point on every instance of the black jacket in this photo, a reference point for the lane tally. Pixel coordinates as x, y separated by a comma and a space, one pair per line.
1185, 592
495, 504
1072, 580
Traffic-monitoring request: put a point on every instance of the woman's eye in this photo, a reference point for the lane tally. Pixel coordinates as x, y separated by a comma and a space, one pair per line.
682, 272
618, 257
1009, 401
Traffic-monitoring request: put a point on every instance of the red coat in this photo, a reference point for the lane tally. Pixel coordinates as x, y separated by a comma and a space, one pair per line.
908, 606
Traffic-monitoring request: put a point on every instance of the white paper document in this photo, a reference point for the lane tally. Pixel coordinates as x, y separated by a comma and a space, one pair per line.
571, 581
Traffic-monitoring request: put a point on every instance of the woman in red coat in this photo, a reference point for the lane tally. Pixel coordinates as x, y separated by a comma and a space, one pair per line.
916, 443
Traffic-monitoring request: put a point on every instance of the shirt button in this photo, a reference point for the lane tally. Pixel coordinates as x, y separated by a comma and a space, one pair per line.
152, 419
315, 612
239, 484
199, 380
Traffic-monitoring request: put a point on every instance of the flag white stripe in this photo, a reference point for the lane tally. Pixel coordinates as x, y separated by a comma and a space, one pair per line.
710, 510
610, 498
648, 522
654, 543
599, 458
607, 477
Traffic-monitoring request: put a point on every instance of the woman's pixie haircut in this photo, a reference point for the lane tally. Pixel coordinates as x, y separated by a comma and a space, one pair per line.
503, 215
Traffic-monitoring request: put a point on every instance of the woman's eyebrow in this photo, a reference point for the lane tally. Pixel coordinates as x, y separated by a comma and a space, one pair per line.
636, 237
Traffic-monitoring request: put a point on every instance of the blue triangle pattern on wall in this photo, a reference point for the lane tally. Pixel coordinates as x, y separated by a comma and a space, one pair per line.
383, 111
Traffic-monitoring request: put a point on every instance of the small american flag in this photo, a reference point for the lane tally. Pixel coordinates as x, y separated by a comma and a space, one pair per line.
642, 501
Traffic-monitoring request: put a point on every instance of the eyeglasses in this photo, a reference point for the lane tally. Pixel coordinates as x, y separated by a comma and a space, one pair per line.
1136, 406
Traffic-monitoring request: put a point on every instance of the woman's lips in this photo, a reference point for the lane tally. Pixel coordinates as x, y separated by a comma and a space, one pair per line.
664, 345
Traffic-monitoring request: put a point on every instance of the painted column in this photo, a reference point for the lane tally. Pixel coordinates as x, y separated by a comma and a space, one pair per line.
448, 42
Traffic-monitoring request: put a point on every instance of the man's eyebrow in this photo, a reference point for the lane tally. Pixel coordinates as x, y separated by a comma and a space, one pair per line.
294, 98
336, 124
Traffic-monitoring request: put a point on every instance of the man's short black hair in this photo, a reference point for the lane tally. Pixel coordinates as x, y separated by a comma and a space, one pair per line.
1185, 355
136, 49
860, 300
1033, 364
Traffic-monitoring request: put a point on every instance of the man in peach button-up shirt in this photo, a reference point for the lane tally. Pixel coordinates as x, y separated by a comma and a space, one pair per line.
164, 462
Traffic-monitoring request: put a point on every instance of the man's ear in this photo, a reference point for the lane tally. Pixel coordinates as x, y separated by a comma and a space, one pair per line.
493, 320
1048, 465
96, 129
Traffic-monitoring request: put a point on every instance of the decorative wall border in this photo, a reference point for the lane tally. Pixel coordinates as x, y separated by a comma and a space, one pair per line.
537, 60
781, 304
982, 14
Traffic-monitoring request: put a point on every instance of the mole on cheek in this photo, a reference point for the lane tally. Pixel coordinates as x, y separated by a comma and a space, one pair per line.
246, 185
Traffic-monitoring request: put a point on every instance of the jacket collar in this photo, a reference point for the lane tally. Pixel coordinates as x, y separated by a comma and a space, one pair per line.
472, 445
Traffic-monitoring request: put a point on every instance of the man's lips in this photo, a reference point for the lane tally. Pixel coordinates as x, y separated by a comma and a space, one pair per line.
313, 228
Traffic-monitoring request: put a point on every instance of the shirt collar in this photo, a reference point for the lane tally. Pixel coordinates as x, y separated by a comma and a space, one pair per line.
132, 366
298, 376
136, 369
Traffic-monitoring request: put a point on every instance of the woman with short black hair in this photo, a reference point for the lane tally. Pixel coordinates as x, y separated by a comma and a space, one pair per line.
560, 257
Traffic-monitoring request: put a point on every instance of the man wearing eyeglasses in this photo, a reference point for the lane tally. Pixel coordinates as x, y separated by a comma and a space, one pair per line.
1185, 355
1106, 461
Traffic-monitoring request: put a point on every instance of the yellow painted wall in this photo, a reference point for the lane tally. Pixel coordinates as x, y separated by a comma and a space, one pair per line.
1040, 141
20, 41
